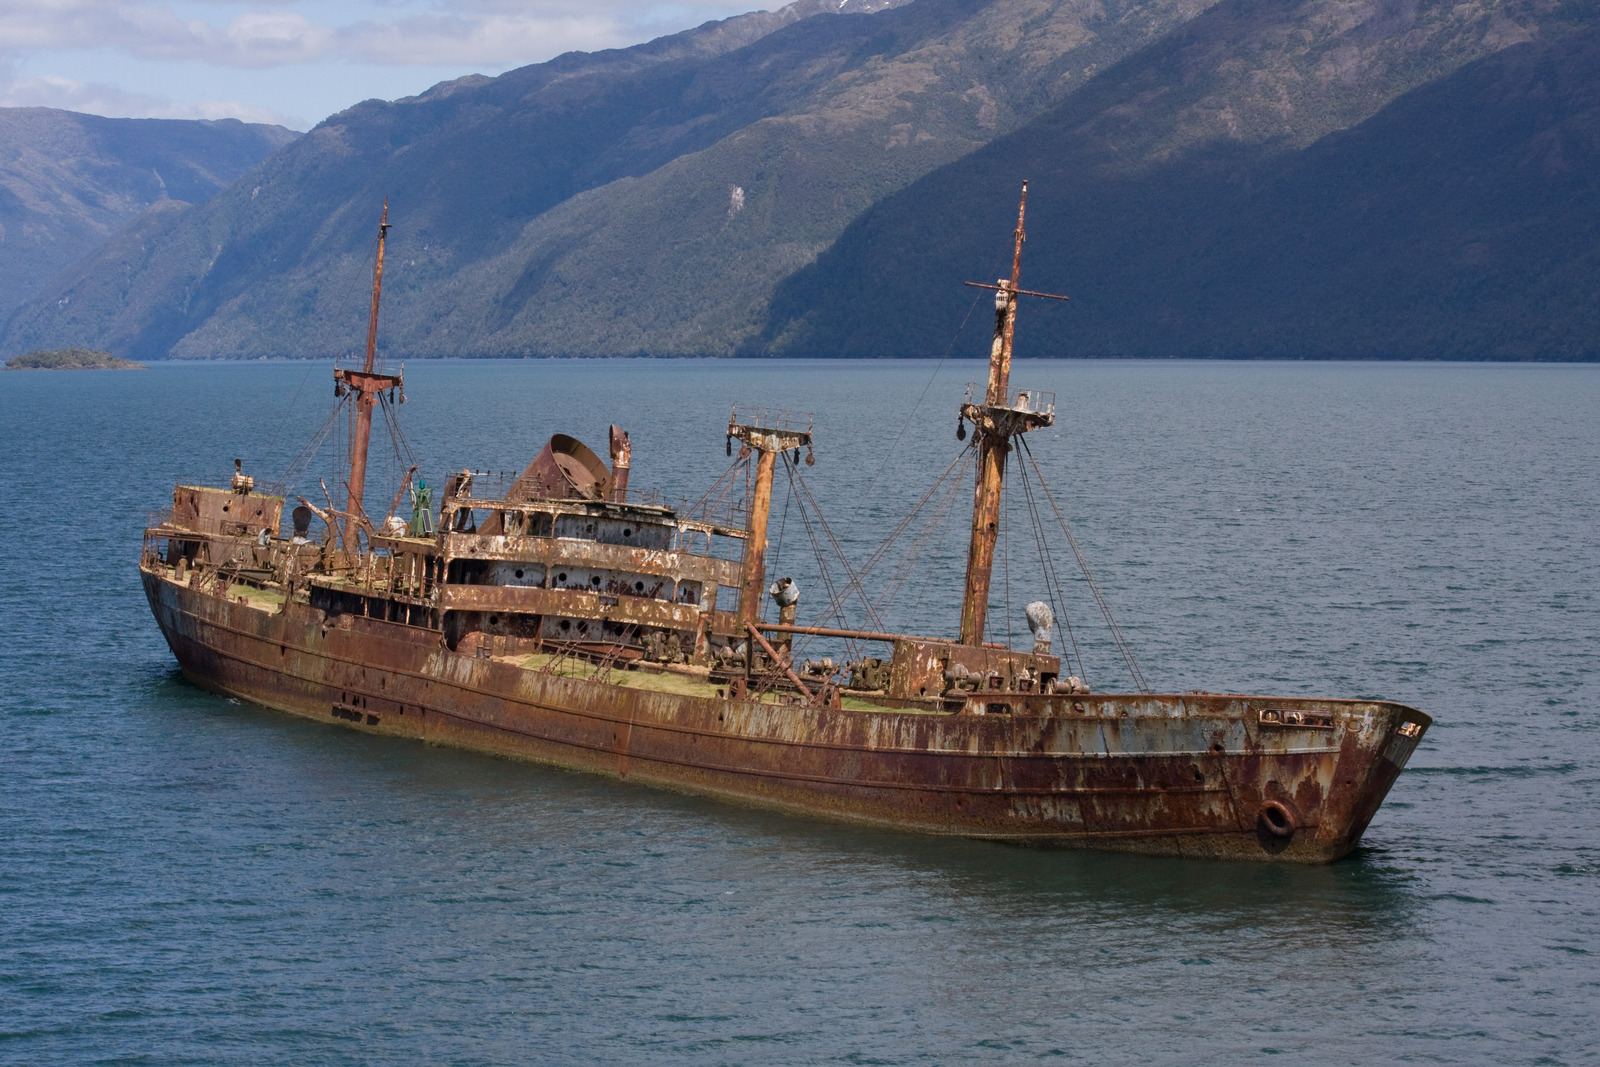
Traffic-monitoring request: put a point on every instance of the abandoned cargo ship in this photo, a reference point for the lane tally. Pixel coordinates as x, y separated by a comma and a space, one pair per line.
564, 620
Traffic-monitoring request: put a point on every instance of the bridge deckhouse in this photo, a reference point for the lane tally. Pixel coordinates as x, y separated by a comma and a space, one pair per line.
581, 569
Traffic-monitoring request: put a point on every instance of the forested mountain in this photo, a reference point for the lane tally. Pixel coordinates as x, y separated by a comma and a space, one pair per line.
1211, 177
644, 199
1462, 221
67, 181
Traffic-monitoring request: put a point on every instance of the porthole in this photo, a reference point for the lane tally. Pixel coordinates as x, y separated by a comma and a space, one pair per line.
626, 532
561, 577
519, 574
566, 624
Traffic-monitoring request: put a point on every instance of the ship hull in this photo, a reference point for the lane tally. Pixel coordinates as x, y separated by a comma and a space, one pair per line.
1191, 774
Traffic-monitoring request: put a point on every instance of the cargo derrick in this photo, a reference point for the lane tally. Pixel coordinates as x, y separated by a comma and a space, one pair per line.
567, 620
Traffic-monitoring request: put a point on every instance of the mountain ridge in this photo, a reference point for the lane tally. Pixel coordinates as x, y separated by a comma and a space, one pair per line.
68, 181
1427, 231
790, 184
537, 166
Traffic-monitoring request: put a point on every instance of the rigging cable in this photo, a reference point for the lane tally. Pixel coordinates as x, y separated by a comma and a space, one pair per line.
894, 444
835, 596
936, 524
777, 548
894, 535
1105, 608
302, 460
1003, 530
1052, 576
838, 550
706, 503
879, 608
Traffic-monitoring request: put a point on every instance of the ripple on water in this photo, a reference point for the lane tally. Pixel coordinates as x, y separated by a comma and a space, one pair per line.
187, 879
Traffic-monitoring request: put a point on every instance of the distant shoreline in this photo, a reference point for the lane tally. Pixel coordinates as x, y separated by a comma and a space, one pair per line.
71, 359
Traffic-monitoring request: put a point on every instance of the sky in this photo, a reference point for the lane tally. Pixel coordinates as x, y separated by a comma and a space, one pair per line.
295, 62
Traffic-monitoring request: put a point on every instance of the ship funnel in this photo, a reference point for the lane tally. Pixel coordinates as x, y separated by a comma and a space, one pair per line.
566, 469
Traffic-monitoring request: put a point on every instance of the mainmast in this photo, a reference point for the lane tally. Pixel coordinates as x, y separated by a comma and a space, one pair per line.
366, 384
1000, 417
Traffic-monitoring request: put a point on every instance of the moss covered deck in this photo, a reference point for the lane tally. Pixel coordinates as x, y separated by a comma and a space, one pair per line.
685, 682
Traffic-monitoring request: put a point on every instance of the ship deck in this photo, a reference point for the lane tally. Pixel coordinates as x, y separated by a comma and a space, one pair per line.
685, 681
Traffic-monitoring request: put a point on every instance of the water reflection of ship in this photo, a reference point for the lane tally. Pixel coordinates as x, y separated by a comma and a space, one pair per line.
568, 619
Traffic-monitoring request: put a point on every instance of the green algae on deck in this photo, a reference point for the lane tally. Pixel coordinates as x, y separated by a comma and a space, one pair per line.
664, 681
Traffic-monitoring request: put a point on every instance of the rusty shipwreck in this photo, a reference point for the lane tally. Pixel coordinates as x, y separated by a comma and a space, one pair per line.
565, 620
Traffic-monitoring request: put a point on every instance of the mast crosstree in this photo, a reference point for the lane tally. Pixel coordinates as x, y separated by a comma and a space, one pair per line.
1000, 417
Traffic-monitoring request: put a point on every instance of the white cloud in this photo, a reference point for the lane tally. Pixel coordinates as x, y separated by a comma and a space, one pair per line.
488, 33
482, 40
113, 102
198, 58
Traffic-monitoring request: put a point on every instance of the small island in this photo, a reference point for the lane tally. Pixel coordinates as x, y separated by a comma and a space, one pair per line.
71, 359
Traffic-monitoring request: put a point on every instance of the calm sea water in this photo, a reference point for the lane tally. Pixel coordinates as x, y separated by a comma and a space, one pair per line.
189, 879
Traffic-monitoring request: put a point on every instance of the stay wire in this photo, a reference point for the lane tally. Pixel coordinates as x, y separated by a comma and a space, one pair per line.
783, 522
308, 452
835, 597
289, 411
906, 520
879, 608
1060, 590
1052, 575
838, 549
935, 526
929, 527
725, 483
1105, 608
894, 444
1003, 530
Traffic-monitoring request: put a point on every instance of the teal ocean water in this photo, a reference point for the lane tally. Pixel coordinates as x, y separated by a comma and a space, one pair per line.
188, 879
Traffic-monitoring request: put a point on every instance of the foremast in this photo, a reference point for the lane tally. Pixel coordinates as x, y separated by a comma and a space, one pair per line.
366, 383
767, 433
999, 418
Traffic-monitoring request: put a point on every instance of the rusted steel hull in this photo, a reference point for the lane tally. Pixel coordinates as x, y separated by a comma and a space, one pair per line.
1192, 775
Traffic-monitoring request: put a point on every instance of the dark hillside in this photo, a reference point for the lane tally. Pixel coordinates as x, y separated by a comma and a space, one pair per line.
1461, 221
1213, 177
639, 200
